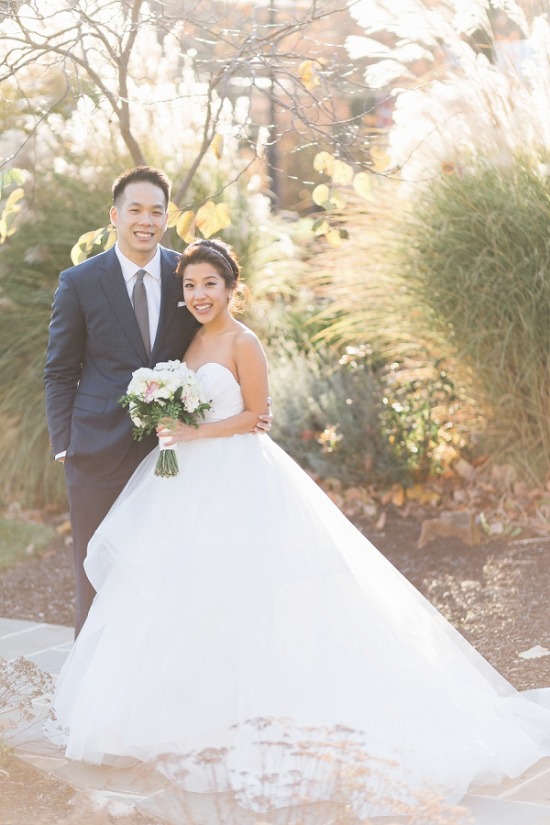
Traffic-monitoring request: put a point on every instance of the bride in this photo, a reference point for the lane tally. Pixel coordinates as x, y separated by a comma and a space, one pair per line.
241, 620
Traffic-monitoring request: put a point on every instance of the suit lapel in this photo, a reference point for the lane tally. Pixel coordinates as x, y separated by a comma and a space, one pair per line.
112, 283
170, 293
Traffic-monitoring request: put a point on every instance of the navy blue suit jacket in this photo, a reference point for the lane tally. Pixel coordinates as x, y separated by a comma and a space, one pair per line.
94, 346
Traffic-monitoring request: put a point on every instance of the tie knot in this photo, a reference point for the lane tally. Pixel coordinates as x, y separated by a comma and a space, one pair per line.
139, 275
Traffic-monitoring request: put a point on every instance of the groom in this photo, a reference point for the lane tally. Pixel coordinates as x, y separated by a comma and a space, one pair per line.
116, 312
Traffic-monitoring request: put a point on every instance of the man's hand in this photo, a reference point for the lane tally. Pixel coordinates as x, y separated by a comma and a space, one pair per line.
263, 424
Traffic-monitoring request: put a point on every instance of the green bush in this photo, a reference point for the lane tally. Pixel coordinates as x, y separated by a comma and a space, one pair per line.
327, 413
421, 419
60, 209
477, 258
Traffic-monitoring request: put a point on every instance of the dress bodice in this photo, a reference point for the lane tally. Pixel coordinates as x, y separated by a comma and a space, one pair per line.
221, 390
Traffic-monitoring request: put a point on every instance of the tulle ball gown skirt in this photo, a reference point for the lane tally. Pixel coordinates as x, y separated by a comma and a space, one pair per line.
245, 635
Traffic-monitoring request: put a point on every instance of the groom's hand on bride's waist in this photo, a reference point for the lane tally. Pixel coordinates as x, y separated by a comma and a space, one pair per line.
263, 424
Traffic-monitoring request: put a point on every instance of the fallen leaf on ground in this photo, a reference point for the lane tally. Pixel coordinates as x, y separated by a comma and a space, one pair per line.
461, 525
64, 528
535, 652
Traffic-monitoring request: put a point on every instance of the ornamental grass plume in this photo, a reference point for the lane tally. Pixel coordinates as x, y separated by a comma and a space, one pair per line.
22, 684
297, 766
465, 79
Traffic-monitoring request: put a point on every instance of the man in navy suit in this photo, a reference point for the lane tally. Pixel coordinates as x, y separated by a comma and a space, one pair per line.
94, 346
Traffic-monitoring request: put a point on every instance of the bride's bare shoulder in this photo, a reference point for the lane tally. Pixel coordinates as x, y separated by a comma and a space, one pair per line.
247, 344
245, 337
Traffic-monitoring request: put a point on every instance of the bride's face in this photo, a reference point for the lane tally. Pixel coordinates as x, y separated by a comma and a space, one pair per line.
205, 292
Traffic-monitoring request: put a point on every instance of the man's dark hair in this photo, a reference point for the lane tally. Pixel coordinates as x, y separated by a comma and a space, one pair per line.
141, 173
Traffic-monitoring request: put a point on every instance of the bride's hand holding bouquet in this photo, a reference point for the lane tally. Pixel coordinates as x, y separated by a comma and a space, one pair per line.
171, 432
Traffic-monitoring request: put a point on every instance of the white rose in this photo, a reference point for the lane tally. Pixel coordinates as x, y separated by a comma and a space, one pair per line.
169, 366
191, 400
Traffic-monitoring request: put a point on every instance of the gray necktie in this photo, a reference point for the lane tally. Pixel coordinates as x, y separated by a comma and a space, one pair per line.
139, 298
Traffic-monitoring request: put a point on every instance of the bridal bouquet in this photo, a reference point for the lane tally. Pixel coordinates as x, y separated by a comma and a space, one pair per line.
169, 390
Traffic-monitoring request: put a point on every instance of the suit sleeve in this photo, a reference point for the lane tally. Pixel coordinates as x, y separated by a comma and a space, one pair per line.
64, 359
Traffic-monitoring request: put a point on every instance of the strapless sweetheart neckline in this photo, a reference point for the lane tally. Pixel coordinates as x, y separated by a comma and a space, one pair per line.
215, 364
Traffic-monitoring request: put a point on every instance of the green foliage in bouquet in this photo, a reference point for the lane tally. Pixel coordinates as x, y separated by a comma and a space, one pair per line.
153, 414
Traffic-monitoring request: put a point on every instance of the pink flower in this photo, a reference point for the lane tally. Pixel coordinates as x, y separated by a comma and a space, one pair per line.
152, 388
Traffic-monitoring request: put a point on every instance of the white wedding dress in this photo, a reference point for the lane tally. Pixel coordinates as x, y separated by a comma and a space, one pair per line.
236, 593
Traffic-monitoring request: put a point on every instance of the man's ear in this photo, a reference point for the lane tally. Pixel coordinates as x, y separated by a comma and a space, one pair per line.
113, 215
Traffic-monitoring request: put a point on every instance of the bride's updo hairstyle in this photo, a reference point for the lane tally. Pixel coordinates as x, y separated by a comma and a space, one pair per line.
222, 257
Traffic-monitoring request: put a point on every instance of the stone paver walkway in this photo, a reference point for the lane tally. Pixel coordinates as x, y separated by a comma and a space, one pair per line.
523, 801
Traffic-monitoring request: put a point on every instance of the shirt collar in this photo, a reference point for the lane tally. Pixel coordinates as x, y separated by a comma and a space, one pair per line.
129, 268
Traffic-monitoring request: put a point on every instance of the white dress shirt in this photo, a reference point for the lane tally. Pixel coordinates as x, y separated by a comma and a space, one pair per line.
152, 285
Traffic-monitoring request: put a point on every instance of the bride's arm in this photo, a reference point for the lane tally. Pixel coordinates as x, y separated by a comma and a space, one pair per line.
251, 365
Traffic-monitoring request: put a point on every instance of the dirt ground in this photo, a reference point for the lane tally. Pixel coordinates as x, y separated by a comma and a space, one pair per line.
495, 594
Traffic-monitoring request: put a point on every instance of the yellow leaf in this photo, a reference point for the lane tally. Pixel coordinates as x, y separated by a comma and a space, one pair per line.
223, 213
9, 213
398, 495
110, 237
185, 227
334, 238
324, 162
416, 492
77, 255
422, 495
12, 204
380, 159
322, 229
173, 214
337, 200
363, 185
64, 529
85, 244
11, 176
307, 73
321, 195
213, 217
343, 173
217, 146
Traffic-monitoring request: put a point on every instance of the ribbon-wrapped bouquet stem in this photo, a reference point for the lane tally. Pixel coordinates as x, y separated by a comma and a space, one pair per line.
168, 390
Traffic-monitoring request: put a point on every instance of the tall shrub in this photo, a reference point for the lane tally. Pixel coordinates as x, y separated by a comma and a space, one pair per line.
62, 208
477, 256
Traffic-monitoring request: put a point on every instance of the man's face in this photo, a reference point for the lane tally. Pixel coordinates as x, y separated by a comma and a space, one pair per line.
140, 219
